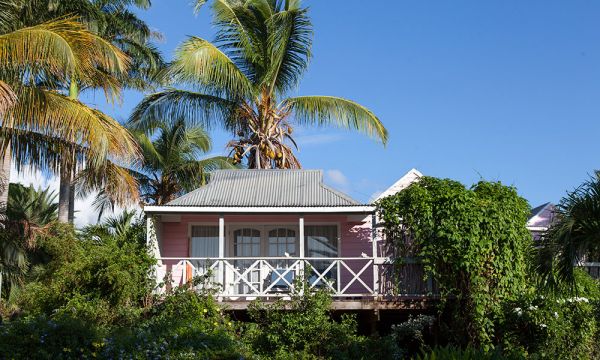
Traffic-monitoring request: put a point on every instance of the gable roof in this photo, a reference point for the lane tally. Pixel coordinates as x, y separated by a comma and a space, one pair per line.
265, 188
408, 178
537, 210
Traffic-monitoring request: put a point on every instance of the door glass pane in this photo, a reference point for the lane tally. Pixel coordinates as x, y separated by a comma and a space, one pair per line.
204, 245
322, 242
246, 243
205, 242
282, 241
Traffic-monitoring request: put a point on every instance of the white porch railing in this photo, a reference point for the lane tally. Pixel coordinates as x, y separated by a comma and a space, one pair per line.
244, 278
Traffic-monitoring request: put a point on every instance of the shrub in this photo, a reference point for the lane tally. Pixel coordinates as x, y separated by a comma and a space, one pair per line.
185, 325
104, 281
473, 242
550, 328
410, 335
455, 353
302, 328
44, 338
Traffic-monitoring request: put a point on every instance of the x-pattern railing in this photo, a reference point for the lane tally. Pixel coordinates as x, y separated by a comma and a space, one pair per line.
276, 276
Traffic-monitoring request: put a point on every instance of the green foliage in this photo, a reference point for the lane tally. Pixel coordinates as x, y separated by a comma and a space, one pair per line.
302, 328
173, 160
572, 236
550, 328
411, 334
31, 206
44, 338
185, 325
455, 353
102, 280
473, 242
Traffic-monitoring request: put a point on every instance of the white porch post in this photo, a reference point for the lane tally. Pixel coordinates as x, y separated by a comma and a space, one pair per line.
154, 249
301, 235
375, 258
221, 236
222, 278
301, 250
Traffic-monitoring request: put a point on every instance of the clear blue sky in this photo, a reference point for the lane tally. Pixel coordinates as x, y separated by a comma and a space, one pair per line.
503, 90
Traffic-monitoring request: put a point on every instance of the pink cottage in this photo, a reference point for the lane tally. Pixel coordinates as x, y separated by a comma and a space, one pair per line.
257, 231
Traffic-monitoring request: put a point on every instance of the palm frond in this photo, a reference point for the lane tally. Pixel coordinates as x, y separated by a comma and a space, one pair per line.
200, 63
343, 113
290, 43
196, 108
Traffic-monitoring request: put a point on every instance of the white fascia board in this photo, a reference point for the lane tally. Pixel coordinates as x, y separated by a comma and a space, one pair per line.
258, 210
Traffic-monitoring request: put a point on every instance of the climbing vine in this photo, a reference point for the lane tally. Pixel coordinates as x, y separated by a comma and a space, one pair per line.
473, 243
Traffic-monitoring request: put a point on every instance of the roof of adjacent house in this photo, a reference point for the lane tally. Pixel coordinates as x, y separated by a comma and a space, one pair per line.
538, 210
265, 188
402, 183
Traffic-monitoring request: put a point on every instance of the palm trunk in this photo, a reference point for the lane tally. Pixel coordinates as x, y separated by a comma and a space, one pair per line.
66, 200
64, 190
72, 201
5, 162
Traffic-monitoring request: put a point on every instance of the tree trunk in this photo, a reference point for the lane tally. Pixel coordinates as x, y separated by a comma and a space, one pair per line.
66, 196
64, 190
5, 162
71, 202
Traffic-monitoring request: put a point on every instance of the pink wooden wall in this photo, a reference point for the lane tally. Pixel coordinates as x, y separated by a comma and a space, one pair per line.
355, 238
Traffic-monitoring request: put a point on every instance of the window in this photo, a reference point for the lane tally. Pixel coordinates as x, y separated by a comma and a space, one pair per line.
321, 240
282, 241
205, 242
246, 242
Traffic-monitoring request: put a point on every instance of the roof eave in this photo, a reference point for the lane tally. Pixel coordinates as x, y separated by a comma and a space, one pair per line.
359, 209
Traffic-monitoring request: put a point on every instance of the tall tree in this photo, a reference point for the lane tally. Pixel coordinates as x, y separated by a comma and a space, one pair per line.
240, 81
33, 61
116, 24
174, 162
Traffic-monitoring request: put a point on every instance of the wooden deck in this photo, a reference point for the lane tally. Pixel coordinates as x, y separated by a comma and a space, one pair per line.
399, 303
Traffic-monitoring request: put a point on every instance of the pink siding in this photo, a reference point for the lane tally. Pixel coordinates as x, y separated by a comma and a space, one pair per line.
355, 238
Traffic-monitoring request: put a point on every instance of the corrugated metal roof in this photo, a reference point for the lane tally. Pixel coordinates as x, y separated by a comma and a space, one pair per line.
269, 188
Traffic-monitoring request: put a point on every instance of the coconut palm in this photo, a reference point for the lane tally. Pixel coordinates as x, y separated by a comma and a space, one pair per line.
94, 63
174, 161
574, 235
116, 24
240, 81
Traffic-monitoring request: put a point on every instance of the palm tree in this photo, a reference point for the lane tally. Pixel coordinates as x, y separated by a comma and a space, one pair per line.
129, 226
31, 58
106, 70
33, 207
574, 235
174, 163
113, 21
262, 49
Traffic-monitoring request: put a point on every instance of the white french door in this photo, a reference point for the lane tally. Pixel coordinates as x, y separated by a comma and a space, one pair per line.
259, 241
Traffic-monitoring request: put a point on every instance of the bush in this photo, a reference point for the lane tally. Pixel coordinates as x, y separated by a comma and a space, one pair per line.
185, 325
100, 280
410, 335
454, 353
550, 328
473, 242
302, 328
44, 338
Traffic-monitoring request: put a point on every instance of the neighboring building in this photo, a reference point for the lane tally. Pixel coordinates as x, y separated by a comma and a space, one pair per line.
540, 220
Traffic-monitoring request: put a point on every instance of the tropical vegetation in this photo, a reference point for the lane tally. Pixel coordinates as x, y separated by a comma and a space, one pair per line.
91, 292
241, 80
